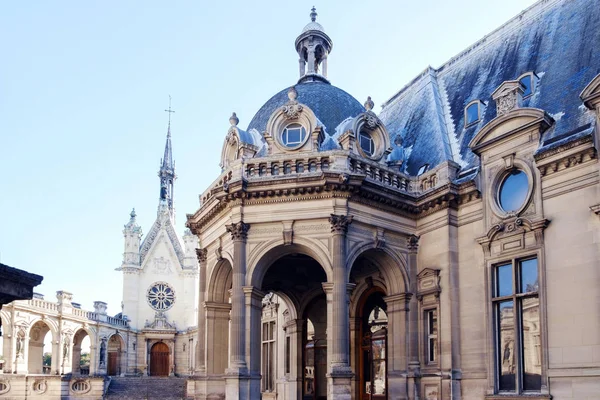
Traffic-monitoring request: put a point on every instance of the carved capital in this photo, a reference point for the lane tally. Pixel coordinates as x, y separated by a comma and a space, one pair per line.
239, 230
340, 223
412, 242
202, 255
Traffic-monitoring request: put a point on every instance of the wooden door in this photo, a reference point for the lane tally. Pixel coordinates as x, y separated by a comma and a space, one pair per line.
159, 360
113, 363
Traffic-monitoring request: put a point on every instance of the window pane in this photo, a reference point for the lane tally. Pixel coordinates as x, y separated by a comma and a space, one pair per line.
379, 377
513, 191
526, 81
506, 346
504, 286
472, 113
530, 323
366, 143
433, 322
294, 136
529, 276
287, 354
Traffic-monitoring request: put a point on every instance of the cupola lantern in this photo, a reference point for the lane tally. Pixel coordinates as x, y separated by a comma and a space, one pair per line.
313, 46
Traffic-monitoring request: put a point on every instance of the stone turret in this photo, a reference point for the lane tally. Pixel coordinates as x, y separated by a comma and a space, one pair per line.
132, 234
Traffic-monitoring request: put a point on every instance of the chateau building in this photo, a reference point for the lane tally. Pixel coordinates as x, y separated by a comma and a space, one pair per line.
447, 247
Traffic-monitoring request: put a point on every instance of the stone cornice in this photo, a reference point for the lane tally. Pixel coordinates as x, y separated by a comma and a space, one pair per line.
570, 154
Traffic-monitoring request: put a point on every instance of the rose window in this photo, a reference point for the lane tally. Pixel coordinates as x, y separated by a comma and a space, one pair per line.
161, 296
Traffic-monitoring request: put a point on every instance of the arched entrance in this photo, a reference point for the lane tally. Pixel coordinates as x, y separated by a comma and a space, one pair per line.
372, 345
114, 355
159, 359
297, 279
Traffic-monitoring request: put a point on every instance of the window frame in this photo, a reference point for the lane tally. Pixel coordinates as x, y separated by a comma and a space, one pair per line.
268, 381
283, 136
533, 85
479, 105
429, 336
373, 146
516, 297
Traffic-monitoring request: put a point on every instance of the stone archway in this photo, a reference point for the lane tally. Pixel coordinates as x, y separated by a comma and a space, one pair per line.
297, 278
378, 328
82, 354
40, 358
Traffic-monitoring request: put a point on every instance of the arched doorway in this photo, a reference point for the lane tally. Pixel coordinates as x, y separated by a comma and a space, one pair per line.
297, 279
159, 359
372, 345
114, 355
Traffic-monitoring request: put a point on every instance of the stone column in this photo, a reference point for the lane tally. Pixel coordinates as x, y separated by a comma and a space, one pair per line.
201, 337
302, 65
93, 358
397, 361
324, 65
311, 60
217, 329
339, 371
414, 365
253, 340
236, 386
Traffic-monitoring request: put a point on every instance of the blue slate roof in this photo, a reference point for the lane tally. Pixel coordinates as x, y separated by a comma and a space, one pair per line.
556, 39
330, 104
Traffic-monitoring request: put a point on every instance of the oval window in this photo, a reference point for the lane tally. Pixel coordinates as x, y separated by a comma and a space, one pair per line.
513, 191
293, 135
366, 144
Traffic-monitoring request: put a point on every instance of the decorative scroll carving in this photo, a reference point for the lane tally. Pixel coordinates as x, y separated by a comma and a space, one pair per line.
412, 242
292, 109
202, 255
508, 96
239, 230
340, 223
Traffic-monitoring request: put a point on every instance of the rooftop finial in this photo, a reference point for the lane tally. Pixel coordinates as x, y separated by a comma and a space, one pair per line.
313, 14
292, 94
170, 112
369, 104
132, 214
234, 120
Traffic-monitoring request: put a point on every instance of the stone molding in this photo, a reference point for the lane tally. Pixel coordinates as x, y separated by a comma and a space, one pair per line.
513, 227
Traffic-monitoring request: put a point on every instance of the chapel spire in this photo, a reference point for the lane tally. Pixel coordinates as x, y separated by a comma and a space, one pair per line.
167, 170
313, 46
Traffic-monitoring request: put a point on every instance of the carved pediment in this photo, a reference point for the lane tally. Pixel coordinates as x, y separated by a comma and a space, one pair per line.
510, 231
428, 282
515, 122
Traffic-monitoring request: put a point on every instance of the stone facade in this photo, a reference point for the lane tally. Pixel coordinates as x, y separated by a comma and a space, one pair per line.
473, 278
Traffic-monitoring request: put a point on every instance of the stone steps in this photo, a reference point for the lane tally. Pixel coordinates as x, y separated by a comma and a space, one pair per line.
146, 388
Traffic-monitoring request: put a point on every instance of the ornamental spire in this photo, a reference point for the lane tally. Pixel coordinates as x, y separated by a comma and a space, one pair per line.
167, 170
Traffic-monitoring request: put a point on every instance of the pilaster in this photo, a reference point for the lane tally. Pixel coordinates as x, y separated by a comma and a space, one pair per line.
202, 255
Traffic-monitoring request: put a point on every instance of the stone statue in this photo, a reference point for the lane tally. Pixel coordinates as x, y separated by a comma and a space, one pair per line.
102, 350
65, 348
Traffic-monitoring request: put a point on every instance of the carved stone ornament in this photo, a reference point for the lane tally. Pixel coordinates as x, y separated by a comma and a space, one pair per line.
292, 109
202, 255
371, 120
340, 223
288, 237
412, 242
508, 96
239, 230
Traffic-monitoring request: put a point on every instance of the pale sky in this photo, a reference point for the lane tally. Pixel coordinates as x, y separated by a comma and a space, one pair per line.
84, 85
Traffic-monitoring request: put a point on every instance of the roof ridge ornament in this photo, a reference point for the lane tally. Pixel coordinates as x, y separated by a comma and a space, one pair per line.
313, 14
234, 120
369, 104
292, 109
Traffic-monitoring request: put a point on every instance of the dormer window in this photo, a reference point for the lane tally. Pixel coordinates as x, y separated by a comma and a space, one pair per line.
473, 112
293, 135
367, 144
527, 81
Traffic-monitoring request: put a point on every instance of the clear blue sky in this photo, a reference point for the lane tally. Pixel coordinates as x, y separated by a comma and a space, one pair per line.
83, 86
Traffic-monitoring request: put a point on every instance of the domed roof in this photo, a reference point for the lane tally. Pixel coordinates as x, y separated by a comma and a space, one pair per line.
330, 104
313, 26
